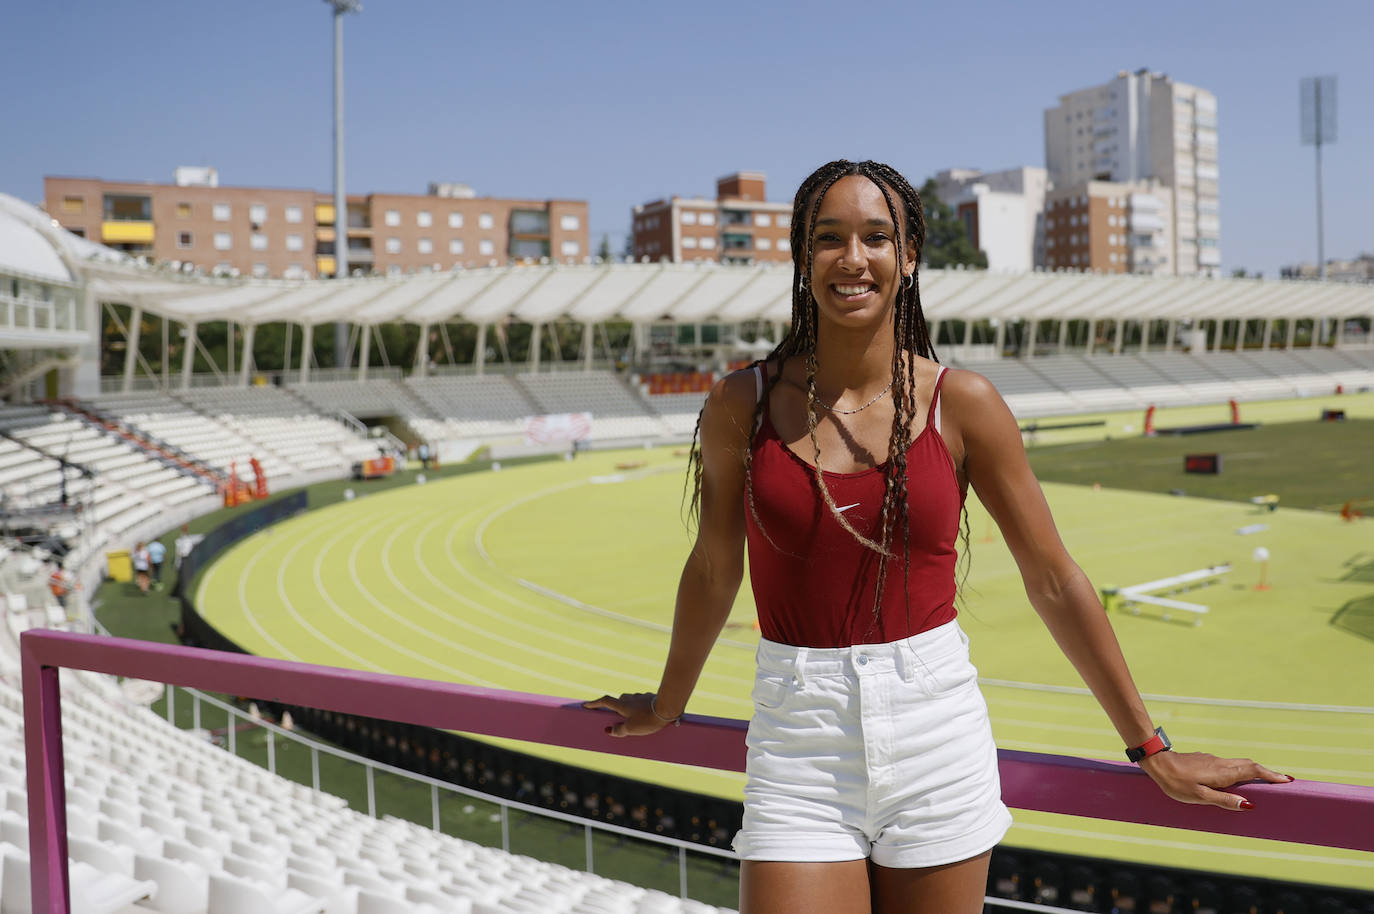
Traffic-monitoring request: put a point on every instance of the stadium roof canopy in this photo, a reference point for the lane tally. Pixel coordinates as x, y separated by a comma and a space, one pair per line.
637, 292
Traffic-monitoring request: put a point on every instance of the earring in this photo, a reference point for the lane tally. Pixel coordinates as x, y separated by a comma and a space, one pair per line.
908, 280
801, 282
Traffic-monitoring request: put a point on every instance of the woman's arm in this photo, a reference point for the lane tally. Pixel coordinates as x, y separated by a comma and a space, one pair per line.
994, 463
714, 569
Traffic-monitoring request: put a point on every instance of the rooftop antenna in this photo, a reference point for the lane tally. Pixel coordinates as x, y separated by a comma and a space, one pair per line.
340, 7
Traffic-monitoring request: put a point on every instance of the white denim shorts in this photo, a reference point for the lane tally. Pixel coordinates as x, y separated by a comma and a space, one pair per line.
875, 750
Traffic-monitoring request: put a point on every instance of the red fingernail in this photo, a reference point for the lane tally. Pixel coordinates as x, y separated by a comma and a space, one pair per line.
1246, 804
1290, 777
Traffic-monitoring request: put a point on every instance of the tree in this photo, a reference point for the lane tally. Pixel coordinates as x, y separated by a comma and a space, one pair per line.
947, 241
604, 252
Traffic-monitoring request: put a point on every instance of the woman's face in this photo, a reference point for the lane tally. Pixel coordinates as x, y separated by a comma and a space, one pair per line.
854, 273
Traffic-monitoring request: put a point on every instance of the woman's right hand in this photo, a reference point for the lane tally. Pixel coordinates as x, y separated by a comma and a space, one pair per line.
637, 711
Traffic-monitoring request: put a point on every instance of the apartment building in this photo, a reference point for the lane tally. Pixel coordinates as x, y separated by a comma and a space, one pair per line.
738, 226
291, 233
1109, 227
1002, 211
1141, 126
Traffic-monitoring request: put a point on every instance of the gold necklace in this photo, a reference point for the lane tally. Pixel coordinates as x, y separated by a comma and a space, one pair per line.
857, 409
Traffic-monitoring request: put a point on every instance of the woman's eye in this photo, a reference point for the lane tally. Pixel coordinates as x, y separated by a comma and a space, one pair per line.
877, 239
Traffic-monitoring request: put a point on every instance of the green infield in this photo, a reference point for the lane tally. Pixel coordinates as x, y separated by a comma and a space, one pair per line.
559, 578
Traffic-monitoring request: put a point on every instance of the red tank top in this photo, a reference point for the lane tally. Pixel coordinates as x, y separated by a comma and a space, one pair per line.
814, 584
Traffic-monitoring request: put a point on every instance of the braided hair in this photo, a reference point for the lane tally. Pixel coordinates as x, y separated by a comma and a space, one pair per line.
911, 335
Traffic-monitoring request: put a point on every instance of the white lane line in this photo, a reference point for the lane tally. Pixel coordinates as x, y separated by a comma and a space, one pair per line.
433, 636
1184, 699
1059, 727
243, 602
1095, 710
478, 541
1098, 836
456, 562
282, 566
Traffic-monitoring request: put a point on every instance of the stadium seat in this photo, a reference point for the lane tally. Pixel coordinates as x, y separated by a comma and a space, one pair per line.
230, 895
92, 892
106, 856
182, 887
338, 898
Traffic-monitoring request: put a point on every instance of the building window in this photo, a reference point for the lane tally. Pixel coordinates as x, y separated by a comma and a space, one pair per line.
183, 211
485, 221
222, 212
393, 245
293, 214
784, 220
689, 242
708, 218
1049, 242
529, 222
1112, 256
257, 214
257, 241
223, 241
455, 246
1049, 223
569, 223
486, 247
708, 243
294, 271
394, 270
185, 240
425, 246
570, 248
762, 219
763, 244
424, 218
784, 244
294, 243
689, 217
392, 217
455, 220
260, 270
73, 205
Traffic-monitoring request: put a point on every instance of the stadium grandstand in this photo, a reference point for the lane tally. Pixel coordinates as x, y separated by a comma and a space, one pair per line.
93, 464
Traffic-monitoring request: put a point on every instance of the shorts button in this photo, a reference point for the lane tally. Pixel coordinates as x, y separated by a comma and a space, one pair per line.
863, 660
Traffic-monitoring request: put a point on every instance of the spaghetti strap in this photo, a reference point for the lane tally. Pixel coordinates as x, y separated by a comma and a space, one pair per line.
933, 418
760, 383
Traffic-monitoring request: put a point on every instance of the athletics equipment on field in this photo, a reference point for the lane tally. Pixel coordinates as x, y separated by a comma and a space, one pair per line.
1151, 593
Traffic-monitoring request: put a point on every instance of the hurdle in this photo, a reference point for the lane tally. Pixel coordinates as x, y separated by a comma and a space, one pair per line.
1132, 598
1150, 430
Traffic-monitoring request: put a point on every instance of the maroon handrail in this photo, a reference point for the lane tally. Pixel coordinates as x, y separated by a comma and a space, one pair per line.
1310, 812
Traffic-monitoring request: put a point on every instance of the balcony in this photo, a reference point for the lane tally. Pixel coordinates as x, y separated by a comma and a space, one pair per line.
126, 231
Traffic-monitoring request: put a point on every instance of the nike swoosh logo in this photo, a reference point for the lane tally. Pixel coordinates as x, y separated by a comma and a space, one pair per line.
847, 507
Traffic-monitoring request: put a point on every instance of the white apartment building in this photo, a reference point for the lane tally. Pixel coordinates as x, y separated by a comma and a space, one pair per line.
1142, 126
1002, 211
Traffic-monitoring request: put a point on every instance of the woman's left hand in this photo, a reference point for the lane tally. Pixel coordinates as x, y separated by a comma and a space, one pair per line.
1198, 777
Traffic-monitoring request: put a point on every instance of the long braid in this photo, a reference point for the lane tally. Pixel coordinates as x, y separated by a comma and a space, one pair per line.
911, 335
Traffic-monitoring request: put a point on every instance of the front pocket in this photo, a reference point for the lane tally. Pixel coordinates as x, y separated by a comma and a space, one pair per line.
771, 689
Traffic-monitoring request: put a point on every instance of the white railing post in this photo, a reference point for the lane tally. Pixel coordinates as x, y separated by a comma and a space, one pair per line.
371, 792
271, 752
315, 768
434, 804
505, 828
587, 831
171, 705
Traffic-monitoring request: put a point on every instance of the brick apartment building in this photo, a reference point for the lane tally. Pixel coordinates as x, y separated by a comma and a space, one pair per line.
276, 232
738, 226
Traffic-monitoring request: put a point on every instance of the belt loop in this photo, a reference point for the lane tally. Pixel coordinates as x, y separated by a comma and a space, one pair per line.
799, 666
907, 660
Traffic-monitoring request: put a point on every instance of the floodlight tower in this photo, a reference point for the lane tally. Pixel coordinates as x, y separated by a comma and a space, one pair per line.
340, 204
1318, 125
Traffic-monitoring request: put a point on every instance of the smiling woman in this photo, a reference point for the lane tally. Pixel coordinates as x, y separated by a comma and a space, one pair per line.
872, 777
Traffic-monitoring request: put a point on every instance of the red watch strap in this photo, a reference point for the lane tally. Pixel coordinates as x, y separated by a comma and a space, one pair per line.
1151, 746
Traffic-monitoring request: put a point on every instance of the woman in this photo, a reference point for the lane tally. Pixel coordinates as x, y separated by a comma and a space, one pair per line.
843, 461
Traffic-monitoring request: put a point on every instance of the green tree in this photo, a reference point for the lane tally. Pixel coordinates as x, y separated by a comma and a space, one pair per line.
604, 251
947, 241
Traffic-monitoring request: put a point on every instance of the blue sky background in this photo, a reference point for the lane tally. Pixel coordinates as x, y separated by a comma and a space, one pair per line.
620, 103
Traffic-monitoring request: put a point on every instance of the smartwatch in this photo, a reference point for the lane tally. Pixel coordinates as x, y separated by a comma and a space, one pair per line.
1155, 744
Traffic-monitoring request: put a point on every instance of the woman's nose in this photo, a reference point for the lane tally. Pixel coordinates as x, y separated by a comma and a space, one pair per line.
853, 253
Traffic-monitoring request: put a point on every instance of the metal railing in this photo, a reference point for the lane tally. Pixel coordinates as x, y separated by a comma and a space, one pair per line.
1308, 812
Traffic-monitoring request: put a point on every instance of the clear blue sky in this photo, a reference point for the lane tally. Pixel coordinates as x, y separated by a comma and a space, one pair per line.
620, 103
